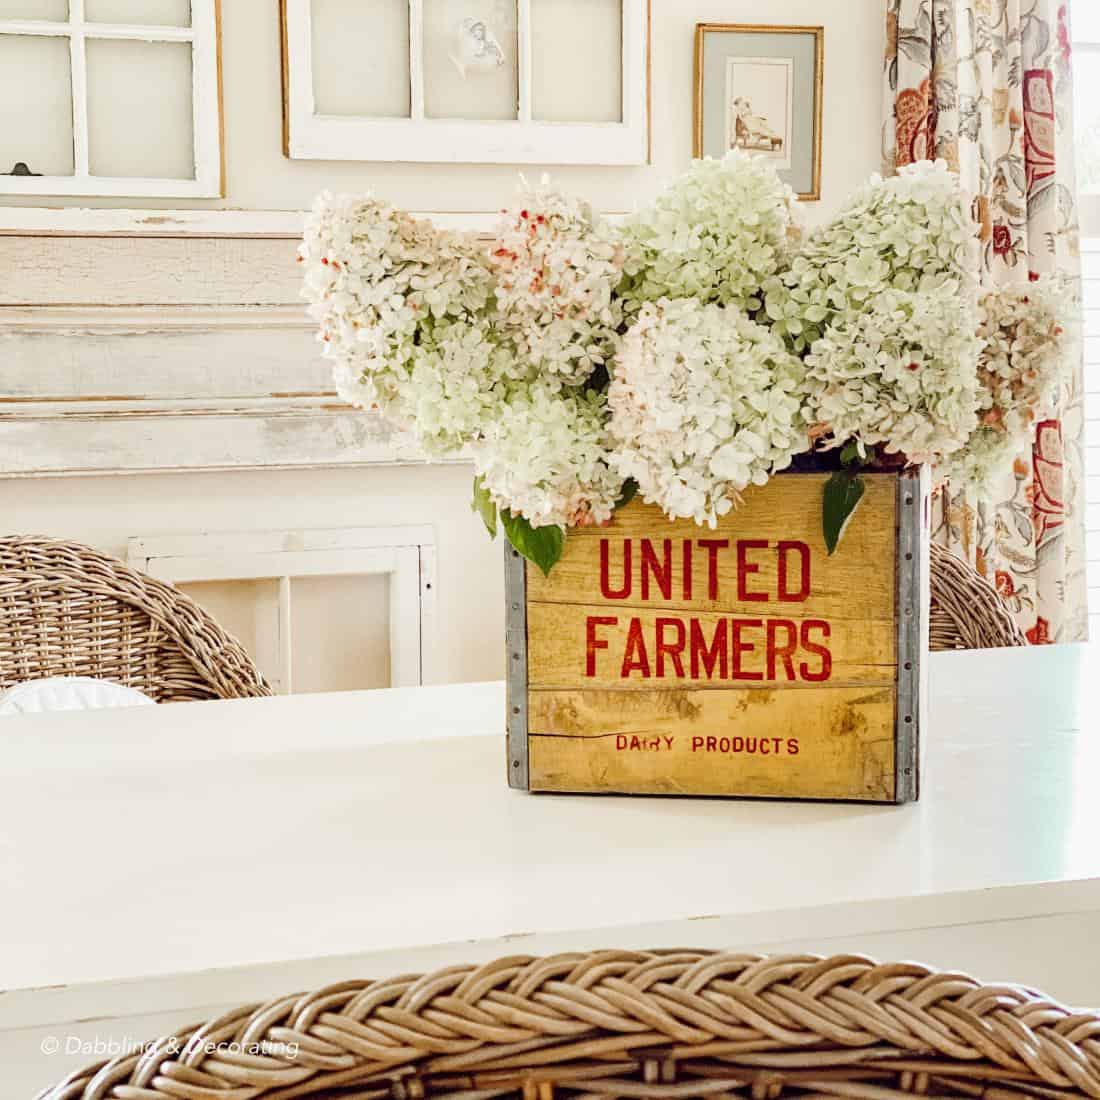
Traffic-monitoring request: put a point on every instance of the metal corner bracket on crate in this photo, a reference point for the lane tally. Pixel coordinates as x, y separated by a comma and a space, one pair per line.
725, 703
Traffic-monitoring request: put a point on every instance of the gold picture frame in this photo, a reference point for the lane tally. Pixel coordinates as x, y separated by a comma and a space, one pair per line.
783, 141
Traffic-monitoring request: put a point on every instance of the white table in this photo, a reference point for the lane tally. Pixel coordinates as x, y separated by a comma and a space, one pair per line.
185, 857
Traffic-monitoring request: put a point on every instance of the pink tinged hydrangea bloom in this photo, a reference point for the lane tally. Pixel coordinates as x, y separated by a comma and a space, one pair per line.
901, 373
1023, 375
556, 267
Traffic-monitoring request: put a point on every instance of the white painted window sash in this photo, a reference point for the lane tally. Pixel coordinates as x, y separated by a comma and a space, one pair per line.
78, 62
406, 555
471, 141
416, 59
523, 14
205, 94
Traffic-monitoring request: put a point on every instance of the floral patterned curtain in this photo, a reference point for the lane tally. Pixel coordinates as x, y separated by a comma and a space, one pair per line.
986, 86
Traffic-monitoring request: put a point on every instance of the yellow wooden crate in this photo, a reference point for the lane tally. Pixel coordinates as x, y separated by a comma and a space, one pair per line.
660, 657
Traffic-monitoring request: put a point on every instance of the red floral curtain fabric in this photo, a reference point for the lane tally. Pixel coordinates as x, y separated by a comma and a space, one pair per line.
986, 86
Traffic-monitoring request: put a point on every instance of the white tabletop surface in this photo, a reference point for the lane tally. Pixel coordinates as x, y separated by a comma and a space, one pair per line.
180, 838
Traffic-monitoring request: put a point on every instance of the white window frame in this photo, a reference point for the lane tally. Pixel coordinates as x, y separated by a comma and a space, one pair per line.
1087, 51
203, 36
1088, 201
1088, 212
406, 555
312, 136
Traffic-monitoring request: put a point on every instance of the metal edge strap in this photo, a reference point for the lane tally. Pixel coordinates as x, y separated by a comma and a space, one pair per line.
515, 635
912, 615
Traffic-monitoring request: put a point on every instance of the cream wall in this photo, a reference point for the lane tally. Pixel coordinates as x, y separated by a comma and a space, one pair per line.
105, 511
854, 35
259, 177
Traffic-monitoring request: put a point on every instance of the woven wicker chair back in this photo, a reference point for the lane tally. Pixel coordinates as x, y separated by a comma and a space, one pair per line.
67, 610
967, 612
627, 1024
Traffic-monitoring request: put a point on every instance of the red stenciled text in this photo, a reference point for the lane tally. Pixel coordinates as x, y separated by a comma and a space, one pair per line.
742, 647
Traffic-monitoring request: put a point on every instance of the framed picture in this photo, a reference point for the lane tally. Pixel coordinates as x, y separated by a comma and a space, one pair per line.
467, 81
759, 89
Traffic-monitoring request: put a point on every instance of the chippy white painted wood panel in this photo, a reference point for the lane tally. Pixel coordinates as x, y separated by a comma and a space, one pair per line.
92, 443
122, 271
104, 320
127, 354
203, 38
524, 140
136, 341
73, 221
203, 369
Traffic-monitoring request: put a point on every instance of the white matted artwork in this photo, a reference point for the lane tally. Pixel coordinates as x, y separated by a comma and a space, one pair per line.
760, 107
760, 89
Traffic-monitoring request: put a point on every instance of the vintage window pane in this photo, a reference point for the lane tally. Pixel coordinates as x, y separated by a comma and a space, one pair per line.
1085, 20
576, 60
139, 109
340, 634
1086, 91
471, 67
36, 104
153, 13
361, 58
48, 10
242, 607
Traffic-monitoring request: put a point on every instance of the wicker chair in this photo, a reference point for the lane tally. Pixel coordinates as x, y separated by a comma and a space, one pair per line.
66, 610
627, 1024
966, 611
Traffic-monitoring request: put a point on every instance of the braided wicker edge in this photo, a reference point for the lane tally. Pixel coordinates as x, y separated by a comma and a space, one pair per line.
631, 1024
219, 659
967, 612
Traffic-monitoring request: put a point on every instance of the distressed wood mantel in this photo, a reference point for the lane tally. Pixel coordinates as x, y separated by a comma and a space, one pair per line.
138, 341
135, 341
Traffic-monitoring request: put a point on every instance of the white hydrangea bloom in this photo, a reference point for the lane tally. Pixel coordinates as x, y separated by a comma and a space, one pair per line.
557, 266
455, 385
704, 402
392, 296
902, 373
715, 235
544, 456
1023, 371
911, 232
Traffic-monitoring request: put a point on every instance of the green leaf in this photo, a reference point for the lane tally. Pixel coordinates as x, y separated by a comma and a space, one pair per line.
484, 506
850, 454
843, 492
542, 545
630, 491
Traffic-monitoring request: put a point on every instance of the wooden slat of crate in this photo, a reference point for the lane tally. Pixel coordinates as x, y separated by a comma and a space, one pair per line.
862, 652
858, 582
844, 739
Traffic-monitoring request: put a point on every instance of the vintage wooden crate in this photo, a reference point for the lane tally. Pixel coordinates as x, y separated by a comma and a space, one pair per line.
664, 658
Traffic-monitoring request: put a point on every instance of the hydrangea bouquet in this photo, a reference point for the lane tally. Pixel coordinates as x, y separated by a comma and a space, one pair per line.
689, 352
